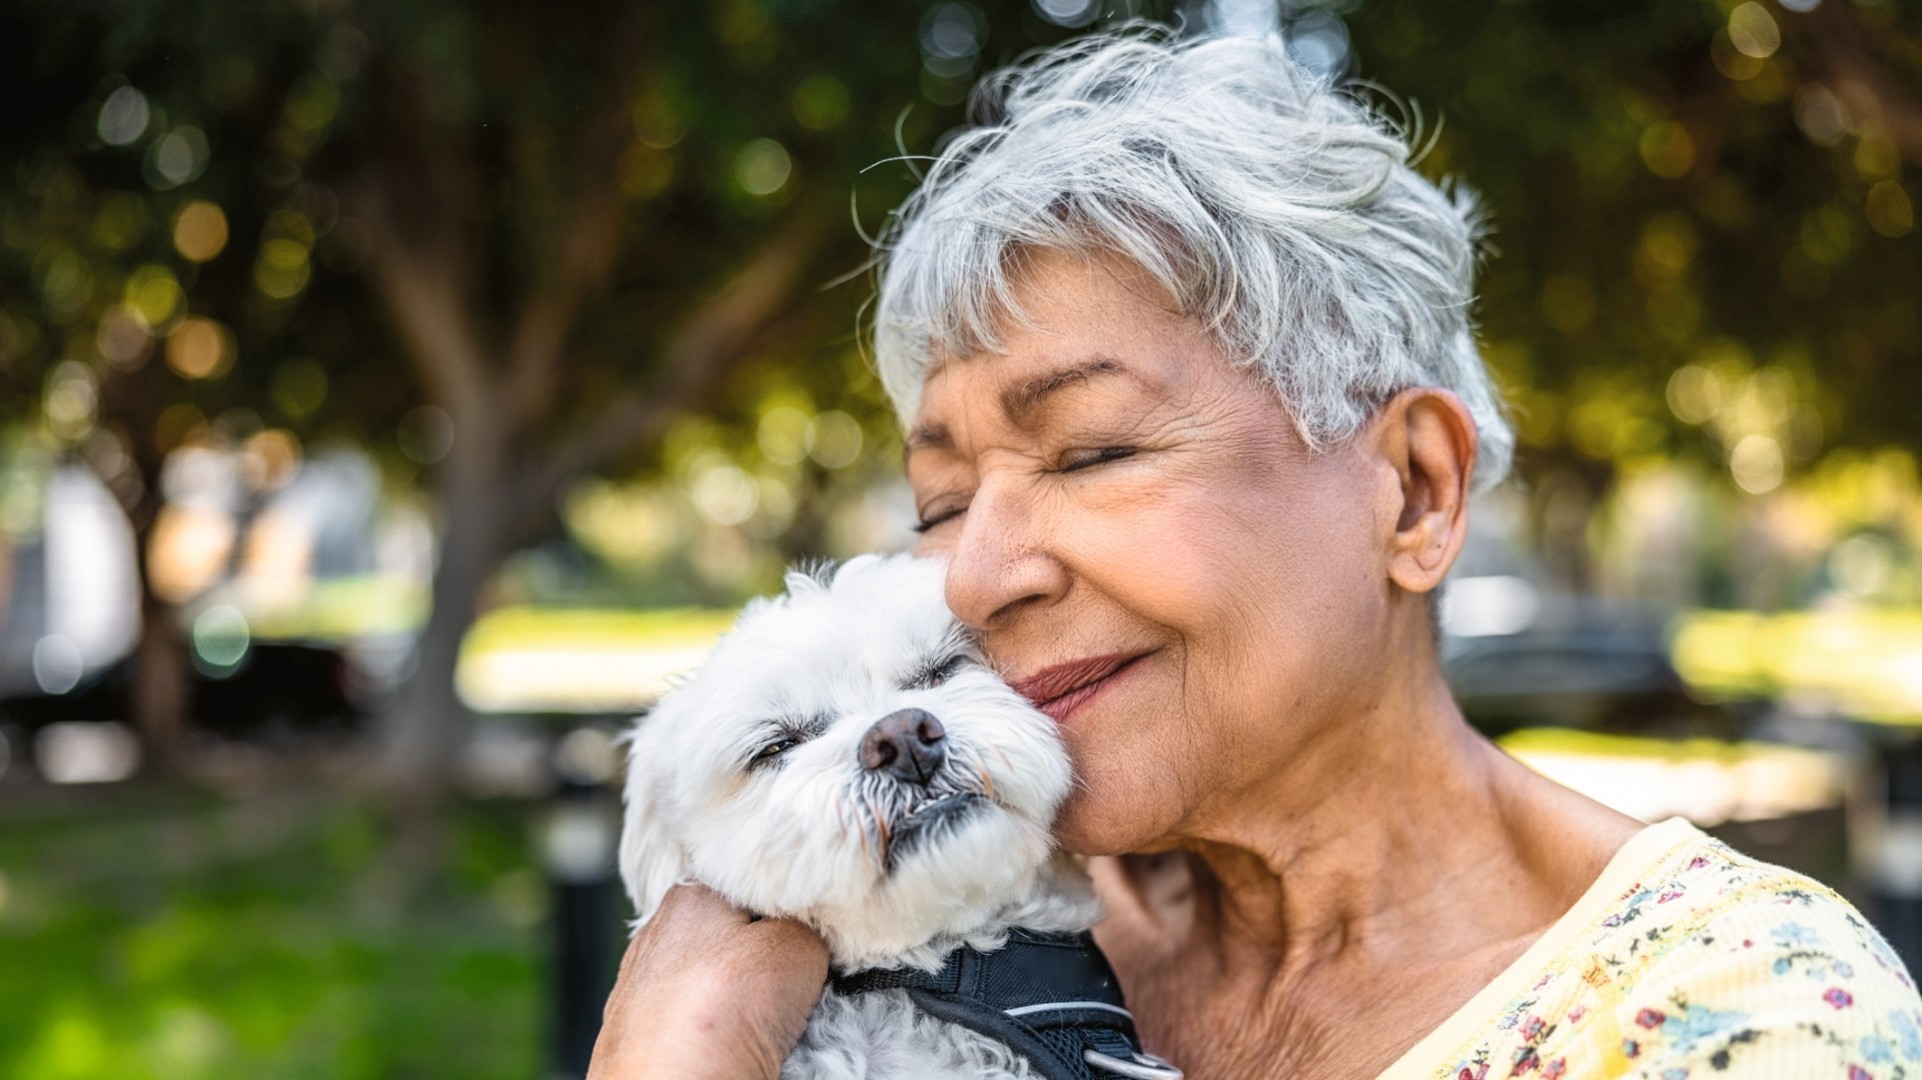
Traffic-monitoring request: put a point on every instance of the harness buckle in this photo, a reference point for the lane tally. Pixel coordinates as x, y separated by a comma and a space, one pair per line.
1144, 1067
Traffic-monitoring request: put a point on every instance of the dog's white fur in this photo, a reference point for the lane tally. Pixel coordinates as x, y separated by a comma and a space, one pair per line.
805, 833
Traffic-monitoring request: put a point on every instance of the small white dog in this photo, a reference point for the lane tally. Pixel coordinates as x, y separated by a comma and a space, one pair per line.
846, 758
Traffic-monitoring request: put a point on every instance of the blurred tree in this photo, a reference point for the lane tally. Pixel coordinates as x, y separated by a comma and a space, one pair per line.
516, 244
1706, 241
526, 240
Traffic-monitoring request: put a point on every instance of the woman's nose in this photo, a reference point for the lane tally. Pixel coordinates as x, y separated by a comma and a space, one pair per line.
999, 564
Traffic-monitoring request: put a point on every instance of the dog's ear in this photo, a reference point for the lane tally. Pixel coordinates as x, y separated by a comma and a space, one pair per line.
810, 577
651, 861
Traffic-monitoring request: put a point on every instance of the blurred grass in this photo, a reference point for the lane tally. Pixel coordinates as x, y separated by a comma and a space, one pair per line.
266, 937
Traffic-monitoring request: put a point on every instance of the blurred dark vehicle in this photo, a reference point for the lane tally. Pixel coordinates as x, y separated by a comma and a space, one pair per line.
1607, 680
279, 693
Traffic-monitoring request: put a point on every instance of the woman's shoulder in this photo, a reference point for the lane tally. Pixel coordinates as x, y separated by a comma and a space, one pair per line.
1689, 958
1704, 900
1717, 962
1724, 959
1698, 885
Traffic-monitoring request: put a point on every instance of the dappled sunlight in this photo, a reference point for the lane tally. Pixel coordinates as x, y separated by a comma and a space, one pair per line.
1710, 783
530, 660
1864, 663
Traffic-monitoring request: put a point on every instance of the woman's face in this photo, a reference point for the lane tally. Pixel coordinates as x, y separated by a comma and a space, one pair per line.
1150, 552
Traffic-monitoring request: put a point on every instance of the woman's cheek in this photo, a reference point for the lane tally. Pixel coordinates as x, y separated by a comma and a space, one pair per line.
1154, 557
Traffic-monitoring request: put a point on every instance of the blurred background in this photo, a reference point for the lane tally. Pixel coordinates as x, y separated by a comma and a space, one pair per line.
393, 395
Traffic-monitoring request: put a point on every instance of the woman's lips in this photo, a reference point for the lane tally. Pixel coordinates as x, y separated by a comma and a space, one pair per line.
1063, 689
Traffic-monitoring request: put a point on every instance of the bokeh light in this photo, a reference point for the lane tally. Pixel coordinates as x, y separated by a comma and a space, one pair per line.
123, 336
200, 348
1069, 13
123, 116
200, 231
178, 157
834, 439
154, 294
723, 492
821, 102
1753, 30
762, 167
221, 638
1756, 463
1667, 149
782, 435
70, 401
1889, 210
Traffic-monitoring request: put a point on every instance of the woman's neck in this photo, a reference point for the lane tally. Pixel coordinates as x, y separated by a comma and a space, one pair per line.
1366, 848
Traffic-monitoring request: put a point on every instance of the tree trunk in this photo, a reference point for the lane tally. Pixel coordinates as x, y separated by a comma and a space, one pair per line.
162, 692
488, 497
160, 697
426, 725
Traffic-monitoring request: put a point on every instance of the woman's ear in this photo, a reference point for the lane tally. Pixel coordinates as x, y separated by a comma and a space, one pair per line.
1427, 437
651, 861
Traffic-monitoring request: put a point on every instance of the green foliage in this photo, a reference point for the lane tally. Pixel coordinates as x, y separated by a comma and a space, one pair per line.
281, 113
1666, 203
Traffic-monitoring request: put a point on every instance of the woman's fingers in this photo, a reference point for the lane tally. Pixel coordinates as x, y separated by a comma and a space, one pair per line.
706, 990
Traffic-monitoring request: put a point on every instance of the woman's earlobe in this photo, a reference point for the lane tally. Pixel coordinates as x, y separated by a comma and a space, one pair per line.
1433, 442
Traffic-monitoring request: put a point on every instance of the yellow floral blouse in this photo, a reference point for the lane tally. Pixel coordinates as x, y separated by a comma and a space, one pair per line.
1687, 960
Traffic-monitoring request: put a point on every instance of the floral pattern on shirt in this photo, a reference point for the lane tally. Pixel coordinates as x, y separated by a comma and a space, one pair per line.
1712, 965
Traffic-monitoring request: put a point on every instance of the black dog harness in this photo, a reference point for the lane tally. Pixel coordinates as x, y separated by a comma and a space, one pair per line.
1052, 997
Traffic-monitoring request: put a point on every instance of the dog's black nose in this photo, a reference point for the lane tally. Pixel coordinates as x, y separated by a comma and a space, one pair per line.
908, 744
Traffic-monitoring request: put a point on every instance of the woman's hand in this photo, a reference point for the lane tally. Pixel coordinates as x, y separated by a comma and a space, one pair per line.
707, 993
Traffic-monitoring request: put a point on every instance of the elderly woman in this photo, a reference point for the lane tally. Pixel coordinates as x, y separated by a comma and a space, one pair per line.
1194, 408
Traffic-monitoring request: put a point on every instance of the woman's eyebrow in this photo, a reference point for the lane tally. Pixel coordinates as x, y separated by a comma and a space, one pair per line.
926, 437
1020, 400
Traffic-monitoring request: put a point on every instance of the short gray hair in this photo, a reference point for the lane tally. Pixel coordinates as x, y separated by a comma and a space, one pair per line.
1273, 205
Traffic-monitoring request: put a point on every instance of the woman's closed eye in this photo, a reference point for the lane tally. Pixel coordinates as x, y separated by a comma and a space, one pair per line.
1070, 461
1076, 460
929, 520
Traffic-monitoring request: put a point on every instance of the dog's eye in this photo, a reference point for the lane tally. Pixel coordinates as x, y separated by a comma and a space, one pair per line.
772, 752
938, 673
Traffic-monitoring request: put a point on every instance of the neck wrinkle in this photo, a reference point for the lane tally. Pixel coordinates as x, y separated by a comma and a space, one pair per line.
1405, 806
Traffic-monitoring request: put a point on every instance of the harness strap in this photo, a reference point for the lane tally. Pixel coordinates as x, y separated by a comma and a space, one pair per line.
1051, 997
